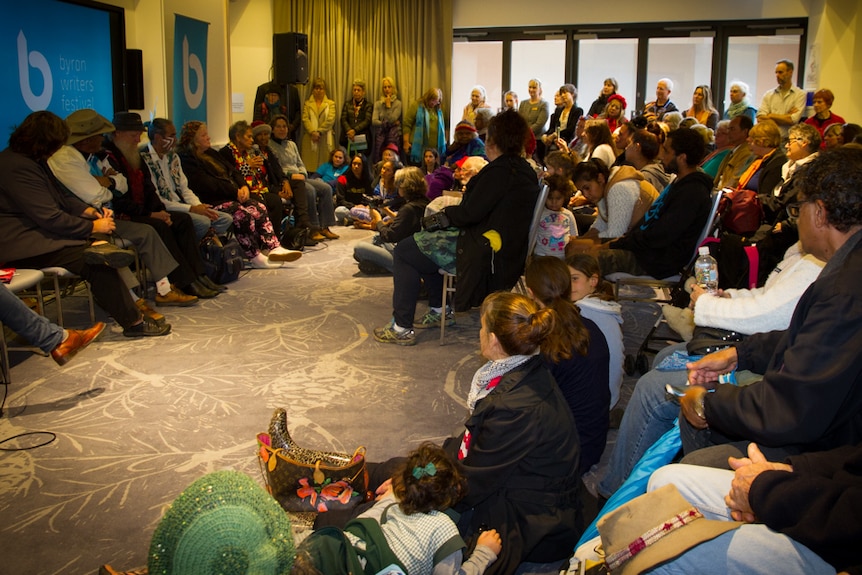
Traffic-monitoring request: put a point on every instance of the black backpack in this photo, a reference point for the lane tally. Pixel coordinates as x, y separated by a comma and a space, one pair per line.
222, 258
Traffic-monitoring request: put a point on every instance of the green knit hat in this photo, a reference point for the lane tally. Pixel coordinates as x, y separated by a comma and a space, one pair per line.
223, 523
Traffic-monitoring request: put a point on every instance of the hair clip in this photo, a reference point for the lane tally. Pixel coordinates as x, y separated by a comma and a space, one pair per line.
419, 472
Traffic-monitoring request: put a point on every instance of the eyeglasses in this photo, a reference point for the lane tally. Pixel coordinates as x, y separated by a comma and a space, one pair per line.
798, 140
794, 208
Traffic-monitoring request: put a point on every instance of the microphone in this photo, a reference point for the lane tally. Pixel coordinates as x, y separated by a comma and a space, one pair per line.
255, 150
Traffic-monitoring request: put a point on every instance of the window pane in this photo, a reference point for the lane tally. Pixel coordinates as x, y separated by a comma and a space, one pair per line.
600, 59
752, 59
686, 61
475, 63
541, 59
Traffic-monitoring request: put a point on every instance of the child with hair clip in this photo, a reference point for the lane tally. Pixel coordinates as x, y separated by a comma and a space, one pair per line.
411, 509
557, 224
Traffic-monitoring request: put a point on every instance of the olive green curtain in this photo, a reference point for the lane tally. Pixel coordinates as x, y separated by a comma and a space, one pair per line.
409, 40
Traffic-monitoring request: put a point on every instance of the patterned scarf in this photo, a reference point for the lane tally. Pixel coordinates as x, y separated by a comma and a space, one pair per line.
421, 129
255, 179
735, 110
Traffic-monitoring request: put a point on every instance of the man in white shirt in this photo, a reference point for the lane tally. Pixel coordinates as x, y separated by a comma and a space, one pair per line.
784, 104
171, 183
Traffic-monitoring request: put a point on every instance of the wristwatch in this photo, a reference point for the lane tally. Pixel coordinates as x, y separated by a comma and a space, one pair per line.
700, 407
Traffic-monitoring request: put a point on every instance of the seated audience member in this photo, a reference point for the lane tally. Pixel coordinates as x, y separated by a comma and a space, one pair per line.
560, 163
535, 109
651, 411
354, 188
483, 117
247, 158
622, 137
171, 183
75, 166
312, 197
423, 126
614, 113
621, 194
386, 120
705, 133
810, 397
801, 514
219, 183
764, 173
356, 116
478, 100
642, 154
851, 133
332, 169
655, 110
833, 136
739, 158
580, 365
61, 343
494, 222
318, 123
711, 162
389, 154
823, 116
140, 203
384, 197
557, 224
802, 146
276, 182
376, 257
673, 120
609, 88
663, 241
441, 180
784, 104
595, 300
600, 143
430, 161
739, 102
45, 227
465, 143
413, 511
701, 108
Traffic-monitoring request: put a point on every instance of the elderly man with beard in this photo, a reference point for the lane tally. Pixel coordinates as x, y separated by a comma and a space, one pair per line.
140, 203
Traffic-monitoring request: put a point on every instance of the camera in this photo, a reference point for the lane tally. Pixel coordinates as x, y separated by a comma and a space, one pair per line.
435, 222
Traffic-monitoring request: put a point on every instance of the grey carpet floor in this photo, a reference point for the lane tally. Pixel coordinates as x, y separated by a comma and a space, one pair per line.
136, 421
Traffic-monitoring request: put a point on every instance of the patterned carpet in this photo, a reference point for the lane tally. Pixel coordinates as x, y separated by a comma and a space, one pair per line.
136, 421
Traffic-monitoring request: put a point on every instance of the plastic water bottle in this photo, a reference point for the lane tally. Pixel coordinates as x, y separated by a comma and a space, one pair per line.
706, 270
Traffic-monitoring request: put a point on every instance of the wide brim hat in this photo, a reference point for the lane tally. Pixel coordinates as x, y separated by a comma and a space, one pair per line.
85, 123
653, 529
222, 523
128, 122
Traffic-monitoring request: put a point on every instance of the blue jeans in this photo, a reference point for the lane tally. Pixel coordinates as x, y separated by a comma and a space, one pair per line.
28, 324
380, 255
202, 223
321, 210
751, 549
649, 414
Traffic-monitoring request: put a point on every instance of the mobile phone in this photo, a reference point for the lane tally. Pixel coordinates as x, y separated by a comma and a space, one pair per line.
557, 133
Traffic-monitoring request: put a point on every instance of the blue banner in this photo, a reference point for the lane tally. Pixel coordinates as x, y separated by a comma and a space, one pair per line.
54, 56
190, 68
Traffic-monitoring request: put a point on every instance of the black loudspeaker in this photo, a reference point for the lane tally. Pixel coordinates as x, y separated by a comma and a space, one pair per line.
290, 58
134, 76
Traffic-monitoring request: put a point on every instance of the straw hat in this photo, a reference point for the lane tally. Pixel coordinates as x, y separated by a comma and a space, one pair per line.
654, 528
85, 123
222, 523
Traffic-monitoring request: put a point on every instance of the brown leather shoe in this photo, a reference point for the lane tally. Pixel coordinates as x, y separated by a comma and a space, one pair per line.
329, 234
176, 297
77, 340
317, 236
150, 312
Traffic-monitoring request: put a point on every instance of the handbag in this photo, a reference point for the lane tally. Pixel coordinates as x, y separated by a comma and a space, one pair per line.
706, 340
222, 259
742, 212
303, 479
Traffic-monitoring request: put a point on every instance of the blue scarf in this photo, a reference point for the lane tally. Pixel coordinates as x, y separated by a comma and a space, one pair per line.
420, 134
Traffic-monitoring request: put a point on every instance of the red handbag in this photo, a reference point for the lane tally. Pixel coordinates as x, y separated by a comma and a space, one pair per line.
741, 212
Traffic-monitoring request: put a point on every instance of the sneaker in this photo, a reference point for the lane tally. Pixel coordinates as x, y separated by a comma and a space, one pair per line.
281, 254
175, 297
388, 334
261, 262
147, 328
329, 234
150, 312
108, 255
432, 319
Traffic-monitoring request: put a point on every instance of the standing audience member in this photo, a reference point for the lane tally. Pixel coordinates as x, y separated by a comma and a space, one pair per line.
510, 101
386, 119
784, 104
45, 227
701, 107
535, 109
318, 123
739, 102
356, 115
171, 183
655, 110
478, 100
424, 127
823, 116
283, 100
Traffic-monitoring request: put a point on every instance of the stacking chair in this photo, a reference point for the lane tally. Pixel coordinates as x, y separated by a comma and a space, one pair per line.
449, 279
22, 280
55, 274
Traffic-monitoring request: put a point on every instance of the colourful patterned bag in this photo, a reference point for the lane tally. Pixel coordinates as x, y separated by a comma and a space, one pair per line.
306, 479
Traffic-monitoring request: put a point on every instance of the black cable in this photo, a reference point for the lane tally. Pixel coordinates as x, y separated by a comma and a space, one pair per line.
51, 438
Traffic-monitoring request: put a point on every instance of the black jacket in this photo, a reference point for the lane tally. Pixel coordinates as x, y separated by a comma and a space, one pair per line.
522, 469
213, 186
663, 241
407, 221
